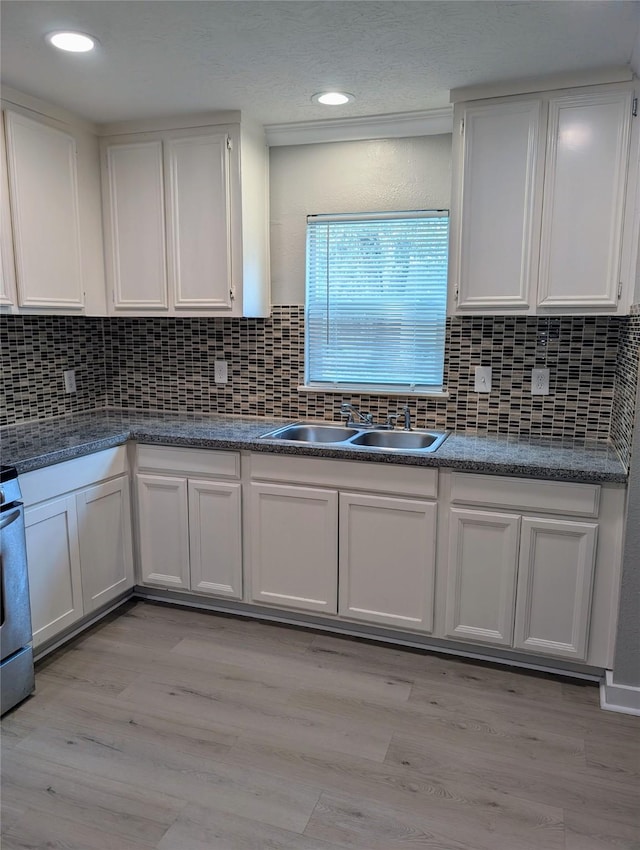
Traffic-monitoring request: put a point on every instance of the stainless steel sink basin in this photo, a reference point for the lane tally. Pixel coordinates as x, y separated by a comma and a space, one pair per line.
303, 433
313, 434
400, 440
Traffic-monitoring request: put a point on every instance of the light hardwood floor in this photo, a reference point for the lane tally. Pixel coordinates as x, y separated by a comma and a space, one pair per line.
179, 730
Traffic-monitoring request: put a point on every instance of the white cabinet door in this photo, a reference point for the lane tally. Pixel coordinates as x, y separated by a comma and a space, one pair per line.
44, 209
198, 218
496, 216
133, 190
483, 556
215, 534
584, 192
294, 547
387, 560
163, 524
8, 296
104, 527
53, 556
555, 578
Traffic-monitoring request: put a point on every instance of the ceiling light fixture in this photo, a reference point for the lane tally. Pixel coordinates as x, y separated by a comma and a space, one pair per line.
332, 98
72, 42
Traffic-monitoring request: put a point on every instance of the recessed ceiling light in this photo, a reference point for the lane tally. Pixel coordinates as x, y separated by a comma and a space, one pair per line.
73, 42
332, 98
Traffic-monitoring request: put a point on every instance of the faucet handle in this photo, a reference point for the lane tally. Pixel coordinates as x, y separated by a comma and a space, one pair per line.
392, 418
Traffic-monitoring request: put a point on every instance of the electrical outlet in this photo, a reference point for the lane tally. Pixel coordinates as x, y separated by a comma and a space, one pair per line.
483, 379
220, 372
539, 382
69, 380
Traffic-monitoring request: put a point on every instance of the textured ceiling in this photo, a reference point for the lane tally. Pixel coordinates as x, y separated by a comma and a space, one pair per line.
267, 58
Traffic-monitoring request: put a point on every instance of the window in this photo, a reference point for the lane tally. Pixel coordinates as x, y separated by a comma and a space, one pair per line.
376, 301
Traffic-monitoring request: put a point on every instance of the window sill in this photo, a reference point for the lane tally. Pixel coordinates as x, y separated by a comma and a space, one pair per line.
345, 389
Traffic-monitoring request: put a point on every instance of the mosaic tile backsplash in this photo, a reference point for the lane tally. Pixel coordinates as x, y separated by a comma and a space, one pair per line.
624, 401
168, 364
35, 351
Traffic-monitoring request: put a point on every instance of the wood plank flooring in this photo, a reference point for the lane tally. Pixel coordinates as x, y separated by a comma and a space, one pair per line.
180, 730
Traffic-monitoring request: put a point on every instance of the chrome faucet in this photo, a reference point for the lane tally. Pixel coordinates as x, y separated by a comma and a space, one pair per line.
365, 420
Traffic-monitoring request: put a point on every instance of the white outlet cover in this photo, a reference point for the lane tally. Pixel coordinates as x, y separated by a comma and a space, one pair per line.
539, 382
220, 372
482, 383
70, 380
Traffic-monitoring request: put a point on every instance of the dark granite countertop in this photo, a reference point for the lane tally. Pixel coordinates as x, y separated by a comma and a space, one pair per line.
43, 443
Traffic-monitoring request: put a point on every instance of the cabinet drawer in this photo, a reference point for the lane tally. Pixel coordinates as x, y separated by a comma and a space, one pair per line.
51, 481
345, 474
524, 494
185, 461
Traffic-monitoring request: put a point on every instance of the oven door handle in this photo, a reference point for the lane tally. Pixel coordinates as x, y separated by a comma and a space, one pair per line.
9, 518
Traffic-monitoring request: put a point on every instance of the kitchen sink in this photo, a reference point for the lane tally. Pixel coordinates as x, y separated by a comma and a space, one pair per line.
311, 433
400, 440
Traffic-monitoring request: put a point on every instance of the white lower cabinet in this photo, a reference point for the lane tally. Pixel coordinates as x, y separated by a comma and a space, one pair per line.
190, 531
522, 581
346, 538
523, 564
163, 523
53, 556
104, 523
215, 537
79, 553
555, 580
294, 546
387, 560
481, 578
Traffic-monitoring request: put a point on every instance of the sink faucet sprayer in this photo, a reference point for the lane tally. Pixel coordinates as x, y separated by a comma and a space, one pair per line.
407, 417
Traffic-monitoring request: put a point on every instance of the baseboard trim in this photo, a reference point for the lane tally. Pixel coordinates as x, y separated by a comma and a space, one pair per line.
624, 699
368, 632
81, 626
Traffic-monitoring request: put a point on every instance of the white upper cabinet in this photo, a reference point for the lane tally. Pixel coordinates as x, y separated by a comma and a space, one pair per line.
8, 295
498, 205
540, 195
135, 226
199, 225
584, 193
41, 164
185, 214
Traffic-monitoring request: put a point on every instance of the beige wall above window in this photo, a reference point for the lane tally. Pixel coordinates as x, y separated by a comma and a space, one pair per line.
345, 177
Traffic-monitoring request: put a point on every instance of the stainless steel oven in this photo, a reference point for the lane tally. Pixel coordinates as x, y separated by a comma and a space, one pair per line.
16, 665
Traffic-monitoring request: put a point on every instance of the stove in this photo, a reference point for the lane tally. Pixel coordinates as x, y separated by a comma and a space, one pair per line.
16, 663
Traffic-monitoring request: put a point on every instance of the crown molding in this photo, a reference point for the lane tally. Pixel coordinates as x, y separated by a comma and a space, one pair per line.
176, 122
394, 126
567, 80
26, 103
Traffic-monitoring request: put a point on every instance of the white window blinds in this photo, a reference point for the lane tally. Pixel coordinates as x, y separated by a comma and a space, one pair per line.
376, 300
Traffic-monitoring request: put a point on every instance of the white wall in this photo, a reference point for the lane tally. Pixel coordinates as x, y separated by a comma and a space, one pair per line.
336, 177
626, 665
635, 56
